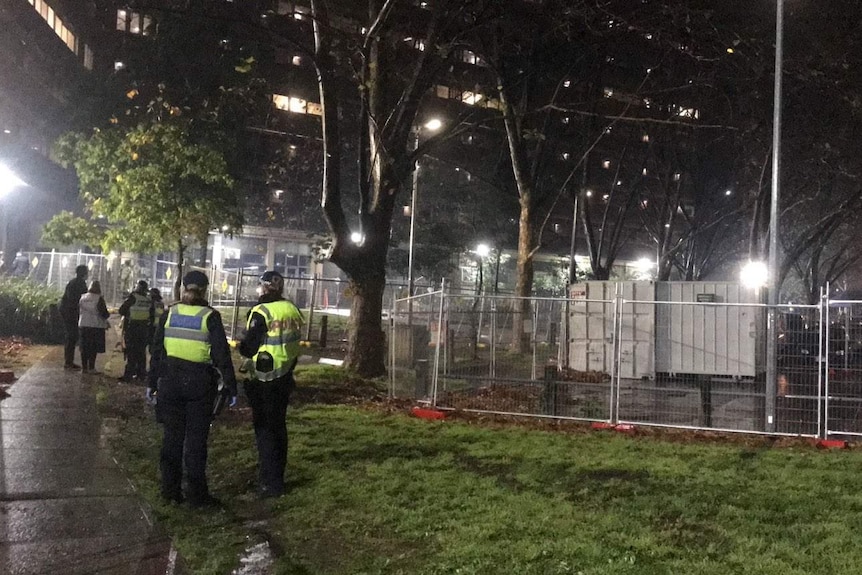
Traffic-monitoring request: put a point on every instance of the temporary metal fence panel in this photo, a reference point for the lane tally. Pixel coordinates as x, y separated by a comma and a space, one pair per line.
501, 354
843, 367
415, 346
55, 269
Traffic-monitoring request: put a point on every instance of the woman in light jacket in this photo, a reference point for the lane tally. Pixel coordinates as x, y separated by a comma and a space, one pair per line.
93, 322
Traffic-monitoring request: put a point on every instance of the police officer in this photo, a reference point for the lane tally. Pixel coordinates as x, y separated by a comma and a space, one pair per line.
158, 311
272, 343
190, 356
137, 312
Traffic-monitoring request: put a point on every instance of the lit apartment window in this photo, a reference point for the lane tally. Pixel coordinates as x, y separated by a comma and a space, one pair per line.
645, 138
608, 93
606, 164
470, 57
690, 113
296, 61
56, 23
88, 57
133, 22
296, 105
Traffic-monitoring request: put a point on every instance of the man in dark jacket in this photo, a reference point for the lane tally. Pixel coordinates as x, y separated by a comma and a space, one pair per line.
69, 313
137, 313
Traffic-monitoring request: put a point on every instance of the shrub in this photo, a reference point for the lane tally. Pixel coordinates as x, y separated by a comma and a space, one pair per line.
29, 309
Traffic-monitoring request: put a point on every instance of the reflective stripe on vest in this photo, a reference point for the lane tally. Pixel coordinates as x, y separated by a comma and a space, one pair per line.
140, 308
283, 323
186, 333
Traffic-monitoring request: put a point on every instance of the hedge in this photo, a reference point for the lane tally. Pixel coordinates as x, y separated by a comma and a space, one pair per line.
29, 309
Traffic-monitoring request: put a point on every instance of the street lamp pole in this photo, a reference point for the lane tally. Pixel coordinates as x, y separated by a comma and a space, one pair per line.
772, 314
432, 125
413, 199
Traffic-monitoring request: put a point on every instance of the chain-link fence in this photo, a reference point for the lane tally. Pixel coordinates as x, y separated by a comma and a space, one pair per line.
681, 354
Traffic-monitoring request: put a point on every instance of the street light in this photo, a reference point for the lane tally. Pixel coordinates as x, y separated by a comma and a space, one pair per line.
431, 125
754, 275
8, 182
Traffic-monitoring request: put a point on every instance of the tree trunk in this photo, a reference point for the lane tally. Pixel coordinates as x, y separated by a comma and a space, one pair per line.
524, 283
178, 283
366, 351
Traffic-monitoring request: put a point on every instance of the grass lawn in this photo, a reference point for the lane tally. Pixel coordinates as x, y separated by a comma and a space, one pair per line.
373, 490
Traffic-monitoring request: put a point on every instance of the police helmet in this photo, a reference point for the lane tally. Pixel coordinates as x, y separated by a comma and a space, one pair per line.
195, 280
143, 286
272, 281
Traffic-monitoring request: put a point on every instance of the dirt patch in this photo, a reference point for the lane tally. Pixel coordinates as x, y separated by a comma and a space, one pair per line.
18, 353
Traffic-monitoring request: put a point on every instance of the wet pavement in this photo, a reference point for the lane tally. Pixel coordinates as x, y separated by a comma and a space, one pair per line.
65, 505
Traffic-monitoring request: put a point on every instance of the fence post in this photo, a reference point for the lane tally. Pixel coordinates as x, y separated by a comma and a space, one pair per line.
534, 337
824, 318
313, 299
324, 326
550, 389
391, 349
236, 299
51, 267
493, 339
437, 346
616, 380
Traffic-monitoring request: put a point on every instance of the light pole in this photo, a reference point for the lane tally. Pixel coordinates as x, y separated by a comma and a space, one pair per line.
8, 182
771, 343
431, 125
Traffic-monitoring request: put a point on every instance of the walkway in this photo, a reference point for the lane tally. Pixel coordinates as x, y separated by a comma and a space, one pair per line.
65, 505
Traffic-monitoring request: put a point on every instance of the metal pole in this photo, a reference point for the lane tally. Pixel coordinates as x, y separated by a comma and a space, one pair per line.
236, 300
771, 335
823, 394
413, 200
314, 283
437, 344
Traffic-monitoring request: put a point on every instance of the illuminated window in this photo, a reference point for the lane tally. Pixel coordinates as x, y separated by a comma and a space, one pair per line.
645, 138
88, 57
122, 20
690, 113
608, 93
296, 61
606, 164
296, 105
55, 23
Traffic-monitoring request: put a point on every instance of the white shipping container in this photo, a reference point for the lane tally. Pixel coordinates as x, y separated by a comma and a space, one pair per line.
591, 316
717, 335
720, 335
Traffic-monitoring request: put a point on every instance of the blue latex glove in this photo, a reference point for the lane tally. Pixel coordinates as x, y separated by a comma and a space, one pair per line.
232, 402
151, 396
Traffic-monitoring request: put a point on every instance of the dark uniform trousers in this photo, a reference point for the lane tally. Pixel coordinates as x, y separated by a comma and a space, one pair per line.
137, 337
184, 407
268, 401
70, 327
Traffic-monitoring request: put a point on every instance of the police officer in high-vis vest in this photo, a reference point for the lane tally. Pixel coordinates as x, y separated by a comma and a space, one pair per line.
272, 343
137, 313
190, 357
159, 310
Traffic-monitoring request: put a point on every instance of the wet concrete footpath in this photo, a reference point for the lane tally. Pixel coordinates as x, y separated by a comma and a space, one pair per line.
65, 505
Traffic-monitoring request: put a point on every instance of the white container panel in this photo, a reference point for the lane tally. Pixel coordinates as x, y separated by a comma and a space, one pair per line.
706, 338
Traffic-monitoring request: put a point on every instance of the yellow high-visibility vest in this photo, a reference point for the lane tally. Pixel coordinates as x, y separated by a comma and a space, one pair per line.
186, 333
140, 309
283, 324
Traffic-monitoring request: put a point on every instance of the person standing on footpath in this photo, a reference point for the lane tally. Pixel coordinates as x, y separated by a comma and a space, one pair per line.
137, 312
93, 321
158, 311
190, 356
272, 343
69, 313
